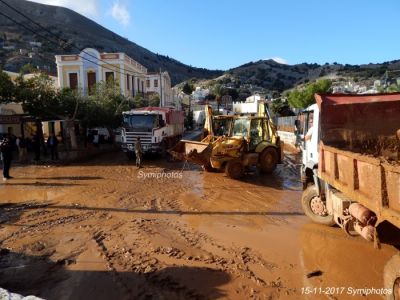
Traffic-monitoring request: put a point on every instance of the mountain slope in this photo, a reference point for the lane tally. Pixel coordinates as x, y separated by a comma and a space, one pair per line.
80, 31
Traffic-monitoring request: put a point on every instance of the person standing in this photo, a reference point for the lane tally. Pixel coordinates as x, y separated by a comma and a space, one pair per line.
6, 156
36, 146
138, 153
52, 144
21, 145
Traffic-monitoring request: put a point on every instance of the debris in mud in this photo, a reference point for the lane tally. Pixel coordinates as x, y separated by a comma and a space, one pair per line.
314, 274
65, 262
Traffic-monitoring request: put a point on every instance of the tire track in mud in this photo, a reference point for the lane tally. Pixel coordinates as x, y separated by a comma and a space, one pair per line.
235, 261
139, 262
45, 220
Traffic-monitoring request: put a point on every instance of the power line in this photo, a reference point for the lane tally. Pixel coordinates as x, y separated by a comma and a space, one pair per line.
117, 69
45, 29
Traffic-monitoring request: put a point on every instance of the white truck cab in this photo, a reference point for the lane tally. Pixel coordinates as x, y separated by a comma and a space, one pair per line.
309, 144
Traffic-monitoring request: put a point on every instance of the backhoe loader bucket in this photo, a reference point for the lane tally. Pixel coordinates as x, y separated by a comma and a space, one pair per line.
195, 152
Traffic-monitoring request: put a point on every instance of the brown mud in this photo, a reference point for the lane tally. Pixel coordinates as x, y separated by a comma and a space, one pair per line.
99, 230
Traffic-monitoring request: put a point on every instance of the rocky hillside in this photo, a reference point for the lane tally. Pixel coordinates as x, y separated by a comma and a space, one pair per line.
264, 76
272, 76
78, 30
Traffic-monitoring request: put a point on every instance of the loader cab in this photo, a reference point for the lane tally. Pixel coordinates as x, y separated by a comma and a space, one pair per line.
222, 125
254, 130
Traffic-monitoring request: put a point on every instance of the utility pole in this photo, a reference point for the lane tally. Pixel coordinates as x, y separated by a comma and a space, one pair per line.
161, 91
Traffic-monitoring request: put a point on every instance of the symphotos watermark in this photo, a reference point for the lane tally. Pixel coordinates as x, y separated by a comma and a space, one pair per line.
160, 175
163, 175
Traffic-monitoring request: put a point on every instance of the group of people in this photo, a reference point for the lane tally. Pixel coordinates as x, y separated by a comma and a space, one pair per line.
10, 143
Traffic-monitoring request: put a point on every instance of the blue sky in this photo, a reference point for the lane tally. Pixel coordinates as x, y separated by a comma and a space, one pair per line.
222, 34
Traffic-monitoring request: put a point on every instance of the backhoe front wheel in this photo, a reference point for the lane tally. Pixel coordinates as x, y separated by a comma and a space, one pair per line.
315, 208
268, 160
234, 169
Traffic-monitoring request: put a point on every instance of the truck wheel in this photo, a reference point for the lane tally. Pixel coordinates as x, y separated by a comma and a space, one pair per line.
234, 169
268, 160
315, 208
391, 277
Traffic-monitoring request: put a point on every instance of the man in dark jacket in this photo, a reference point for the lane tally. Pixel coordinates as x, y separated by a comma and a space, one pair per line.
6, 149
52, 143
138, 153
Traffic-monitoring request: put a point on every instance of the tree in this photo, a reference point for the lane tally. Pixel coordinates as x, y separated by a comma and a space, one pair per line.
217, 91
187, 88
105, 105
70, 104
305, 97
38, 96
189, 120
138, 101
154, 100
230, 91
27, 68
281, 107
6, 88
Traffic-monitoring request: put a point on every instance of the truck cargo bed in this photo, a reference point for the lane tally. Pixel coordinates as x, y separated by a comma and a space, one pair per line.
365, 179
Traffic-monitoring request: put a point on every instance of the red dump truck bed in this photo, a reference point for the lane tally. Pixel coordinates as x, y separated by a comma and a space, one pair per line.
359, 150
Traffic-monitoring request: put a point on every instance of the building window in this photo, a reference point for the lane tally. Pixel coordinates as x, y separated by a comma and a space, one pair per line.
133, 85
148, 83
91, 77
142, 86
109, 76
73, 80
138, 85
155, 83
127, 82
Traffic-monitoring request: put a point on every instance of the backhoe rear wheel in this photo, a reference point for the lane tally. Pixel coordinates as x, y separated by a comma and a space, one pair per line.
315, 208
234, 169
268, 160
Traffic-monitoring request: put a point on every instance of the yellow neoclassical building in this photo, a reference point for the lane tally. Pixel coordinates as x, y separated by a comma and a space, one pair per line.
84, 70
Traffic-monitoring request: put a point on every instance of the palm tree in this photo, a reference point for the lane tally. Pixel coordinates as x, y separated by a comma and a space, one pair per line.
217, 91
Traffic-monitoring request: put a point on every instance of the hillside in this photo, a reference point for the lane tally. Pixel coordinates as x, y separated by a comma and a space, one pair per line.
80, 31
263, 76
267, 76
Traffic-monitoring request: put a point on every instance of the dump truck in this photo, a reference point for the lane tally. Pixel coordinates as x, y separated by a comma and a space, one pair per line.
351, 170
232, 144
159, 128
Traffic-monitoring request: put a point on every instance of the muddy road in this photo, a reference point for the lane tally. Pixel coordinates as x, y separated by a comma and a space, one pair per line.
105, 230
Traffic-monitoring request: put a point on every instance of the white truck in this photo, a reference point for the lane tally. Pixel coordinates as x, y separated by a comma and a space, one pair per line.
159, 128
351, 169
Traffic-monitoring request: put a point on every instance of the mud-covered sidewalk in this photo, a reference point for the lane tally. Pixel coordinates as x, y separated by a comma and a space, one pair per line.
106, 230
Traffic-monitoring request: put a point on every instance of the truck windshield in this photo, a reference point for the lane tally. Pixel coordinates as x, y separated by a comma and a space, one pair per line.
140, 122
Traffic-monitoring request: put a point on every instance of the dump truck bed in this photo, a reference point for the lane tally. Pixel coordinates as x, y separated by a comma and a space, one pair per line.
364, 179
359, 150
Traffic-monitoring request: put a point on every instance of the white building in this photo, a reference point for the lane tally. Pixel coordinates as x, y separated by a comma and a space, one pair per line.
83, 71
200, 94
250, 106
160, 83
